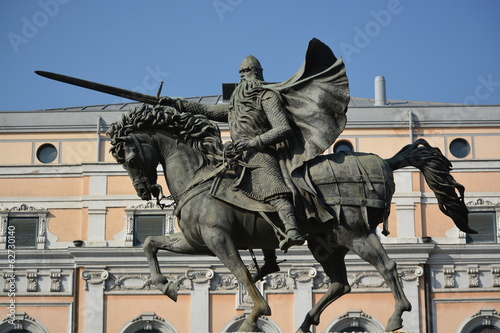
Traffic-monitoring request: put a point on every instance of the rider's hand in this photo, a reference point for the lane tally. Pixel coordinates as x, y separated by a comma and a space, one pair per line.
243, 144
164, 100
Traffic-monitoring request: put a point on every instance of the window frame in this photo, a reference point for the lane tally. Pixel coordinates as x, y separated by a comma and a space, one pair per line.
24, 211
484, 206
355, 318
151, 209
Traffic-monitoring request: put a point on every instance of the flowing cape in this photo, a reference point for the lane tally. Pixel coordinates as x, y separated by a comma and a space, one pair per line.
316, 98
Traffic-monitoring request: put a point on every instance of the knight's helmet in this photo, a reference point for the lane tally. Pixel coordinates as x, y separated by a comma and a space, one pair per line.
251, 63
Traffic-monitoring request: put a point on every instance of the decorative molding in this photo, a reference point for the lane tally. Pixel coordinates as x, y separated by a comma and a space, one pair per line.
149, 208
481, 202
277, 281
8, 275
23, 322
495, 272
24, 210
125, 282
449, 276
473, 273
356, 280
355, 318
55, 280
148, 321
225, 282
199, 276
32, 280
302, 274
95, 277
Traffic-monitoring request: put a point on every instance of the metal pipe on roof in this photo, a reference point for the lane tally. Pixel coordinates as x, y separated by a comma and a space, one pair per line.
98, 138
410, 125
380, 95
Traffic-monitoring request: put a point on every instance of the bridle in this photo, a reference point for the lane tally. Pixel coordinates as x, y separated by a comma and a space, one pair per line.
143, 179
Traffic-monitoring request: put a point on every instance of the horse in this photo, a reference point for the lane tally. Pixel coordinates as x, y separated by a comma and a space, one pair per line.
190, 150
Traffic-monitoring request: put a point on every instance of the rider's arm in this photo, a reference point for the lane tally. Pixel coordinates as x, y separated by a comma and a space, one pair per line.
216, 112
277, 117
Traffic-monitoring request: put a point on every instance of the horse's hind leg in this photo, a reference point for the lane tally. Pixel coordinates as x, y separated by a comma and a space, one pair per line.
370, 249
332, 260
223, 247
174, 243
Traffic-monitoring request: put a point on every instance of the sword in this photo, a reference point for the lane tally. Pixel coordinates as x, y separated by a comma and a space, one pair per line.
149, 99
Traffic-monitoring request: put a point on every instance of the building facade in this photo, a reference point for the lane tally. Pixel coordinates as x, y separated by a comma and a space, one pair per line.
71, 229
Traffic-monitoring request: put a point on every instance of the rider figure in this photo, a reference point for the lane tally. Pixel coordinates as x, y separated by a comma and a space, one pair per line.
257, 122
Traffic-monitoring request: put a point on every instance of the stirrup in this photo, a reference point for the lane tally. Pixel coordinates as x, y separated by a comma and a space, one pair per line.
288, 242
264, 271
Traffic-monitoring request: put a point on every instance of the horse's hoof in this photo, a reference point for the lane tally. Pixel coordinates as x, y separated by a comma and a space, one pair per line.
248, 327
300, 330
171, 289
394, 324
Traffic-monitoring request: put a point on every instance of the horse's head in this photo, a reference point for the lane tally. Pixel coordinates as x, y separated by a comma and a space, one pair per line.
138, 155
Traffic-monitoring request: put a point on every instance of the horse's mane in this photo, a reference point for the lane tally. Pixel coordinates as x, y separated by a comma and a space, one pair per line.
195, 130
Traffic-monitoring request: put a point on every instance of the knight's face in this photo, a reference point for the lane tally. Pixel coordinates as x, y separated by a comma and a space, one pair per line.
247, 73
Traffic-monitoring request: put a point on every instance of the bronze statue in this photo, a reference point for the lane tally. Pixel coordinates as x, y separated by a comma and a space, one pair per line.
333, 205
264, 122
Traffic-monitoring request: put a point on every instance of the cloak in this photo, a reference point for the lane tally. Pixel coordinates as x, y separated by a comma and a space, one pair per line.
316, 98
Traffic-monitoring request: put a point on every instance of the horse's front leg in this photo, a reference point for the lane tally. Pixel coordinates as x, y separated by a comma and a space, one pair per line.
174, 243
224, 248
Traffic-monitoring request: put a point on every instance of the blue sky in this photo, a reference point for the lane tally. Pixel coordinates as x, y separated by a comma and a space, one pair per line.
436, 51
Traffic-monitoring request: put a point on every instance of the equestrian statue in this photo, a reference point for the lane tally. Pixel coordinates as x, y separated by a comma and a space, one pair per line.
271, 187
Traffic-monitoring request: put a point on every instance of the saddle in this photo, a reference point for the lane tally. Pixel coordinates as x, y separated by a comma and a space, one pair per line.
328, 183
223, 188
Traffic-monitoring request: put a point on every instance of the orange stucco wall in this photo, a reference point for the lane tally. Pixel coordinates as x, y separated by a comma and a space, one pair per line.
453, 308
41, 187
67, 224
125, 308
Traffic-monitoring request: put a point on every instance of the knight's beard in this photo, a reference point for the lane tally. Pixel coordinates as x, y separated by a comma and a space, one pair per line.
246, 87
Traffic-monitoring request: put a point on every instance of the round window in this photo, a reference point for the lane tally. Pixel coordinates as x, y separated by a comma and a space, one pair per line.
459, 148
46, 153
343, 146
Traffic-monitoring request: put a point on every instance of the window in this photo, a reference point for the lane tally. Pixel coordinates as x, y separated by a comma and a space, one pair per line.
343, 145
148, 225
486, 329
484, 223
487, 320
459, 148
147, 220
24, 230
24, 227
355, 321
484, 217
21, 322
46, 153
148, 322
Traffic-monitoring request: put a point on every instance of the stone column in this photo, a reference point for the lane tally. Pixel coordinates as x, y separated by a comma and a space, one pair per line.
97, 211
303, 283
410, 282
95, 283
405, 205
200, 303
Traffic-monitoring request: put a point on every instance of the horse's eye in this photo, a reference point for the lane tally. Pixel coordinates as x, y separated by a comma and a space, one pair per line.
132, 161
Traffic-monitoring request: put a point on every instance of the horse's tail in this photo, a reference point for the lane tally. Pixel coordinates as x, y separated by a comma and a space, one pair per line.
436, 170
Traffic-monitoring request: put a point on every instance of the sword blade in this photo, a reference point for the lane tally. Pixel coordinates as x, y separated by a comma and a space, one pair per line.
153, 100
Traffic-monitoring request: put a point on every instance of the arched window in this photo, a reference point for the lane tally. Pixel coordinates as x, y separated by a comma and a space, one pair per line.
487, 320
355, 321
148, 322
263, 323
20, 322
